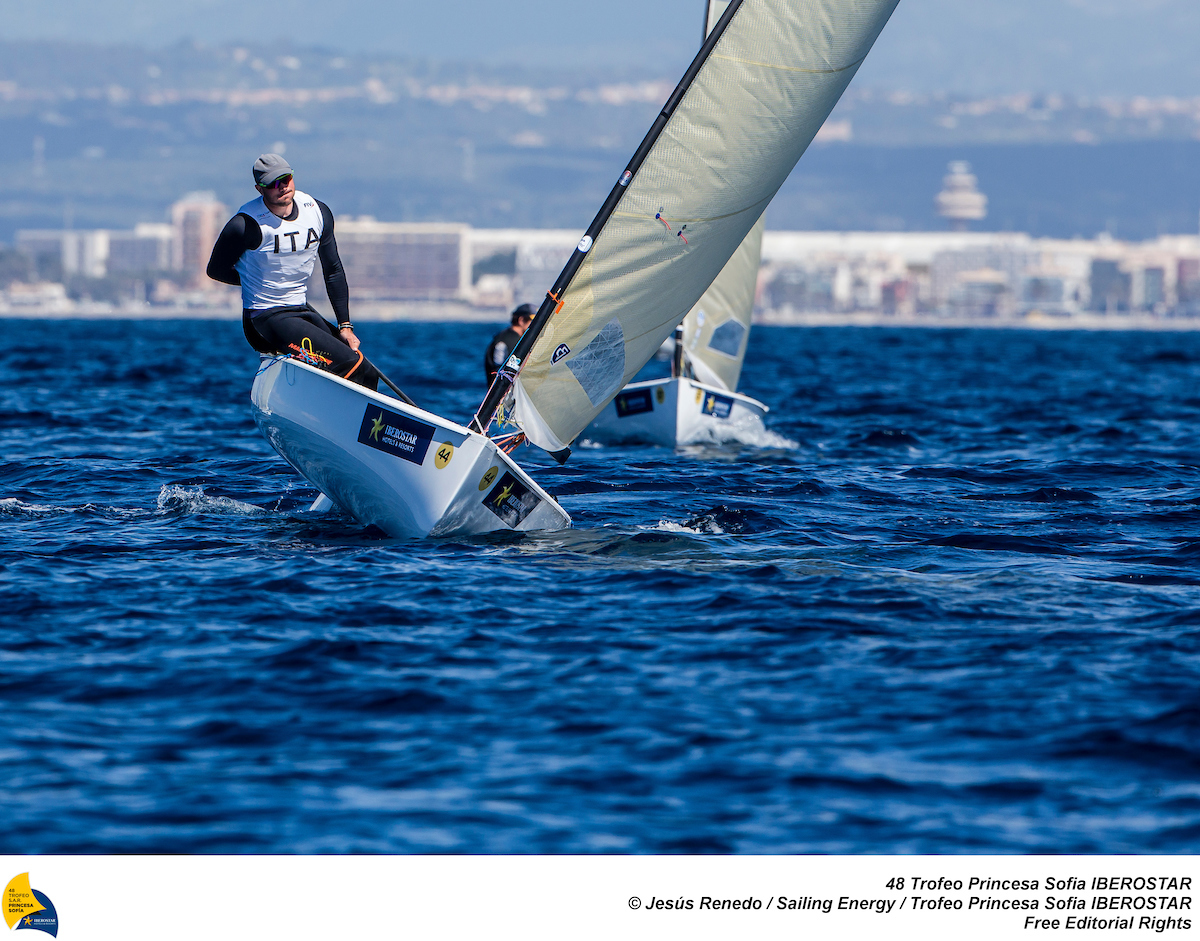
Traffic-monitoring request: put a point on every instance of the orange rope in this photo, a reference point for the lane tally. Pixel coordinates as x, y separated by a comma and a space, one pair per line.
511, 445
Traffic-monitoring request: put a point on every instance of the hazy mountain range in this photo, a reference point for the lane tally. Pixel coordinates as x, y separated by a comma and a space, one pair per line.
1081, 47
109, 123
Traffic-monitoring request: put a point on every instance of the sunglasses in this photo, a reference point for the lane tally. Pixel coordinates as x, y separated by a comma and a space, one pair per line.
278, 184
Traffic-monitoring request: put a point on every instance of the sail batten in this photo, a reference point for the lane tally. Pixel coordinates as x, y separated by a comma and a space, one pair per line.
732, 131
788, 68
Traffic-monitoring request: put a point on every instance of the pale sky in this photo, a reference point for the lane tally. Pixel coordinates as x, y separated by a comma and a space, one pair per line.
974, 46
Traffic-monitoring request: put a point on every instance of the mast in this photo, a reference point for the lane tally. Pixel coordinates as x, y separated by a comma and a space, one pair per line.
677, 355
507, 374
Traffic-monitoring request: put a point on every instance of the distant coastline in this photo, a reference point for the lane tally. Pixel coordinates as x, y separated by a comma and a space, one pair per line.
452, 272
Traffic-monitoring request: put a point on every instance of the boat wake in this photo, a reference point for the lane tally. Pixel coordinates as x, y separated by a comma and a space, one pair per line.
748, 437
752, 436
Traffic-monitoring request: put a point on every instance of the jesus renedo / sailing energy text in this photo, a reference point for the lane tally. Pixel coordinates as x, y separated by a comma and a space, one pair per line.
1125, 901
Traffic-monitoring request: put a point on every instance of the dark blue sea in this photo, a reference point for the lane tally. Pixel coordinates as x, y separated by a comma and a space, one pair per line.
951, 604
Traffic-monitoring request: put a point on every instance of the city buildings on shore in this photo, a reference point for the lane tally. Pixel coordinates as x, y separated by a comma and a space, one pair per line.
974, 276
152, 265
454, 270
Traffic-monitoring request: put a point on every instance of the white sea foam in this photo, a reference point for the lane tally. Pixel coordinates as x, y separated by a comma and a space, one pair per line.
193, 500
11, 506
699, 527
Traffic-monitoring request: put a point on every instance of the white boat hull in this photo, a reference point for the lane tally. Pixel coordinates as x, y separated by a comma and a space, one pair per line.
670, 412
405, 470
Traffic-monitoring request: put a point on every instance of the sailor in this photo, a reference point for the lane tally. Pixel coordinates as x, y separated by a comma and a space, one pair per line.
270, 248
503, 342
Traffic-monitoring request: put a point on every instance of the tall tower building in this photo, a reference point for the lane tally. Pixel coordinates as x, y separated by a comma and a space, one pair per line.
197, 219
960, 201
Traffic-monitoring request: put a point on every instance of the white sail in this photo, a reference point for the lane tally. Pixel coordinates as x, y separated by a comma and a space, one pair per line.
757, 100
715, 331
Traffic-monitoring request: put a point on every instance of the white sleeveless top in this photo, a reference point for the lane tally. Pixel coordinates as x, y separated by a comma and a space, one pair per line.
277, 273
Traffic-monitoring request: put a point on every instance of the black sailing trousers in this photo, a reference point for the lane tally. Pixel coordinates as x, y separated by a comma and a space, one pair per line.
308, 336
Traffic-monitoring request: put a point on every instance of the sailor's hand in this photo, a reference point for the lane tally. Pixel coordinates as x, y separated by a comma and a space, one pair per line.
348, 337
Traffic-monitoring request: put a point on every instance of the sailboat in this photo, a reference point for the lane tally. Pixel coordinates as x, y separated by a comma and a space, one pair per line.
767, 76
393, 465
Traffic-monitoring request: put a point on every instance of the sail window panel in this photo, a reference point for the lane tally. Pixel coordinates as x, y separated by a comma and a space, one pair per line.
600, 366
727, 338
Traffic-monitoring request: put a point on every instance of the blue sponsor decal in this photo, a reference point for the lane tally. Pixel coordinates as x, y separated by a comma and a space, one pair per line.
718, 406
634, 403
46, 920
511, 500
559, 352
394, 433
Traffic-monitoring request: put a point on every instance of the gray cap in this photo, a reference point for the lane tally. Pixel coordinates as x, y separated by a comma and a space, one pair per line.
270, 167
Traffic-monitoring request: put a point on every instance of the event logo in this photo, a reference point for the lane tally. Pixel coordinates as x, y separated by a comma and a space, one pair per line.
26, 907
